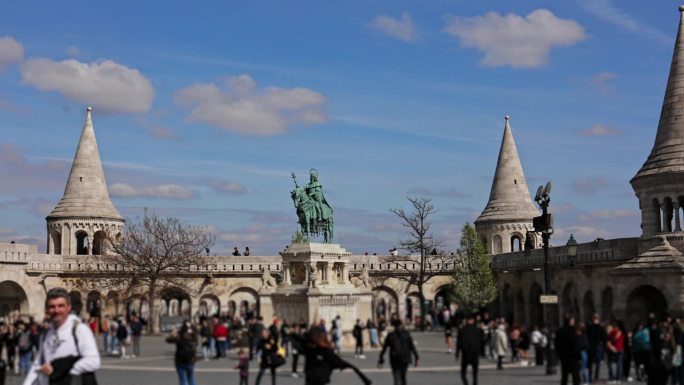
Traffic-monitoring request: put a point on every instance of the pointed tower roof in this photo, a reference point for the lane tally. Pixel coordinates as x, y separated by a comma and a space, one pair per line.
509, 198
86, 192
667, 154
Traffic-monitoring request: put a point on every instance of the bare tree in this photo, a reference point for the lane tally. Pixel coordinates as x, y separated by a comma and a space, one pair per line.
151, 255
422, 260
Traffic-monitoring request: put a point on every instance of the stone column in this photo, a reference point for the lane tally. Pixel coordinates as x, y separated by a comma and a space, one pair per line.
678, 226
663, 219
345, 274
329, 273
286, 274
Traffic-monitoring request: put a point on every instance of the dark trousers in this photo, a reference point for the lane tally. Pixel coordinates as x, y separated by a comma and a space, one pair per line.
295, 359
244, 380
570, 367
399, 373
538, 355
499, 362
261, 373
359, 346
468, 360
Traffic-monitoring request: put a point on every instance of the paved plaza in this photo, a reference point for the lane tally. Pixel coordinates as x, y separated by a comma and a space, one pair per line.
155, 367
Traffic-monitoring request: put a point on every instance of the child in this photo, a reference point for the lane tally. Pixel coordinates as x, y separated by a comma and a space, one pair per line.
243, 365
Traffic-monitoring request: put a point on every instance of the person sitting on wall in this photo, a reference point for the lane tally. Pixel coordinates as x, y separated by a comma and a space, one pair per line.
236, 252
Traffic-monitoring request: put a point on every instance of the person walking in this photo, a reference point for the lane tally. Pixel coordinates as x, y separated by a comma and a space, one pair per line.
243, 367
136, 334
500, 345
25, 348
372, 333
299, 330
104, 327
268, 349
357, 332
642, 351
584, 354
597, 341
568, 349
221, 337
67, 349
469, 342
186, 353
616, 347
122, 336
321, 359
536, 339
401, 349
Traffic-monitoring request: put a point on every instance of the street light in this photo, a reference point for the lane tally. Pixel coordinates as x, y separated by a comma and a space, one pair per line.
544, 224
571, 248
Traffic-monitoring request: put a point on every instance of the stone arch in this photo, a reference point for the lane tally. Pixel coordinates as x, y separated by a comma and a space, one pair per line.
536, 309
76, 302
177, 302
412, 306
99, 242
520, 313
497, 244
607, 303
517, 241
137, 305
82, 242
588, 306
111, 303
231, 309
56, 242
569, 301
209, 305
247, 301
13, 301
94, 304
642, 301
385, 302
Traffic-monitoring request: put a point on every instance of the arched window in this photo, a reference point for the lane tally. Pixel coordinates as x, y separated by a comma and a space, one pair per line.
497, 244
56, 239
82, 243
516, 243
99, 242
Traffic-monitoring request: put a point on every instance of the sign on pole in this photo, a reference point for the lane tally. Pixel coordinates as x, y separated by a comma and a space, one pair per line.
548, 299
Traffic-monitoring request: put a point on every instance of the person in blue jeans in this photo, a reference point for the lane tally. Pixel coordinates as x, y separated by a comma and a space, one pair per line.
584, 354
186, 353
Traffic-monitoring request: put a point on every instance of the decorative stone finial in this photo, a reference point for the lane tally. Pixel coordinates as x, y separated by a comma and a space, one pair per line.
681, 8
89, 108
507, 117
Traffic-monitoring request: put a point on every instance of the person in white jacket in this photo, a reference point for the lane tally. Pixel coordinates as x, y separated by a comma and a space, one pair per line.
60, 340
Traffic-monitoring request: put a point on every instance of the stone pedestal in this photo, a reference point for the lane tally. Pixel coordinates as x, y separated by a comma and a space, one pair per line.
329, 295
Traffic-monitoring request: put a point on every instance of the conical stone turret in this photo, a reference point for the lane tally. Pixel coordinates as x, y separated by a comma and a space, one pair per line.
507, 217
659, 184
79, 222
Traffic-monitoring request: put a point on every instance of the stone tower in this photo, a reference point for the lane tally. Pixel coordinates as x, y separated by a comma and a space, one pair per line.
659, 184
507, 218
79, 223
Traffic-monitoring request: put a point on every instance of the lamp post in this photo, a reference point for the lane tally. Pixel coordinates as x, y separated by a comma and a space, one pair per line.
571, 248
544, 225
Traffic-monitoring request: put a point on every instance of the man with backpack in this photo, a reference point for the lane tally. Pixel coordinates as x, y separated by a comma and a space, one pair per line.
401, 347
25, 348
642, 351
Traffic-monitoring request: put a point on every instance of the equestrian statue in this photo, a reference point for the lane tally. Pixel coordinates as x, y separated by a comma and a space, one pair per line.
314, 212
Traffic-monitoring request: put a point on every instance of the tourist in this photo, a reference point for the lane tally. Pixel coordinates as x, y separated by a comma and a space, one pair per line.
285, 336
92, 324
584, 353
320, 357
372, 333
243, 367
515, 342
274, 330
268, 350
246, 253
524, 346
114, 343
382, 329
642, 351
335, 334
597, 340
136, 334
470, 341
186, 353
76, 354
615, 347
221, 336
299, 330
536, 338
393, 252
25, 348
236, 252
11, 340
568, 350
448, 331
104, 326
204, 336
357, 332
401, 349
122, 335
500, 344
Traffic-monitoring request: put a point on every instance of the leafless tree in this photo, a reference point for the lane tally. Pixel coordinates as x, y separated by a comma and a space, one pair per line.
152, 254
422, 259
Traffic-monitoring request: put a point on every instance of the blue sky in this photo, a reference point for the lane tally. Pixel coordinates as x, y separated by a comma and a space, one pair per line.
202, 111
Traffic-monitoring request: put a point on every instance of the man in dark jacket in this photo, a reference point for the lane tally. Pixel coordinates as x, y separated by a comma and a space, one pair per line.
469, 343
597, 342
401, 348
568, 350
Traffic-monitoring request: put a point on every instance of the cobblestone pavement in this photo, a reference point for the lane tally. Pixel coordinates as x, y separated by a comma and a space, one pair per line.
436, 367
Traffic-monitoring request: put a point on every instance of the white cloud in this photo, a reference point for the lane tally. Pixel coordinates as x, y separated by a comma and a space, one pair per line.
242, 109
106, 85
602, 81
603, 9
223, 186
11, 51
73, 51
599, 130
168, 191
589, 186
161, 132
514, 40
402, 29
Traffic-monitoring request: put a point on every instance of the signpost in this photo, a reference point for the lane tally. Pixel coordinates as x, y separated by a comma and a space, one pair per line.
548, 299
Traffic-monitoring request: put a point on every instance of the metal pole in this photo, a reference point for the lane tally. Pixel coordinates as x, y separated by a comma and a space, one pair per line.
550, 354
